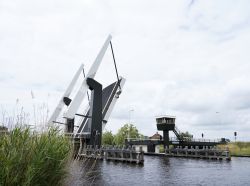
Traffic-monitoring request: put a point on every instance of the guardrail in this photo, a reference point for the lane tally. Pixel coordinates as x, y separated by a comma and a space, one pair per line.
204, 153
176, 139
140, 139
112, 153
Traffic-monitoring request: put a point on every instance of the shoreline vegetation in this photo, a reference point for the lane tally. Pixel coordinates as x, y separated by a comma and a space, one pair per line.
28, 158
238, 149
31, 158
42, 158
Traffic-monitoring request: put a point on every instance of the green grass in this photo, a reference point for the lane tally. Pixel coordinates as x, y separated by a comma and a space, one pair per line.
238, 148
161, 150
33, 159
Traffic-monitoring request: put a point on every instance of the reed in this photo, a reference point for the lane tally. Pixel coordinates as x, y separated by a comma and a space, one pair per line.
28, 158
238, 148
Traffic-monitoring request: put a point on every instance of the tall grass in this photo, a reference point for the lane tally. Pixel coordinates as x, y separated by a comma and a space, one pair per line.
238, 148
28, 158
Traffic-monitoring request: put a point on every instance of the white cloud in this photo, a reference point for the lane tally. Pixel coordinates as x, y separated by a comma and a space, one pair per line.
181, 58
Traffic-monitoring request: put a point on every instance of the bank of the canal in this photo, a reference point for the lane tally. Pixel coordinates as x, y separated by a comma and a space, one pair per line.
161, 171
238, 149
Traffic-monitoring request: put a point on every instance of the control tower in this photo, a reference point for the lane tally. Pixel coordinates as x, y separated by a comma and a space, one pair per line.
166, 123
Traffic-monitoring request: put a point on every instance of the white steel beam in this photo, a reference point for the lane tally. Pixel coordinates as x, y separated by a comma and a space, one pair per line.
76, 102
67, 93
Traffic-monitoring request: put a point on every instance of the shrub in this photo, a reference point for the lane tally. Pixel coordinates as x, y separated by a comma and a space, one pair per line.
33, 159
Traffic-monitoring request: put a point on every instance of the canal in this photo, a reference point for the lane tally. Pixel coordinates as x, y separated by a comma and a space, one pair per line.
161, 171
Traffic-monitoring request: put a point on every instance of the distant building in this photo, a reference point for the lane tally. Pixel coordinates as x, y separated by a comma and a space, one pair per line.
156, 136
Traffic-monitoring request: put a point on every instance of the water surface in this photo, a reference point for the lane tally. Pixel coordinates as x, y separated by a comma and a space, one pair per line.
162, 171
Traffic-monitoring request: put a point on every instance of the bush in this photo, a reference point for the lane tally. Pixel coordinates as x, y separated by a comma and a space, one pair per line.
107, 138
33, 159
238, 148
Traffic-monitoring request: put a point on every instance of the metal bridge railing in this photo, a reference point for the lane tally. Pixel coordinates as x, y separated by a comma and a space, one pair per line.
141, 139
176, 139
195, 139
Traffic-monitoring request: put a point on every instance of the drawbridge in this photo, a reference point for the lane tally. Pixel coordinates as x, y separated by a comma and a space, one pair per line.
87, 132
101, 102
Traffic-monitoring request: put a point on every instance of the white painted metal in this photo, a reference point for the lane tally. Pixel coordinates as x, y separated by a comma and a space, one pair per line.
76, 102
164, 116
157, 149
144, 148
67, 93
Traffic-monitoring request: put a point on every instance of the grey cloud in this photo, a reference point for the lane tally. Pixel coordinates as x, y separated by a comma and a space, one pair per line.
5, 78
189, 62
223, 24
191, 3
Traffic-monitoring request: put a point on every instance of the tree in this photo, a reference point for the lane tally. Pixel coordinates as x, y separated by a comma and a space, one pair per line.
186, 135
128, 130
141, 136
107, 138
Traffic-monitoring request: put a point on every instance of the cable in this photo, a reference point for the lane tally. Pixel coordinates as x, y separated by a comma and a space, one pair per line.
115, 65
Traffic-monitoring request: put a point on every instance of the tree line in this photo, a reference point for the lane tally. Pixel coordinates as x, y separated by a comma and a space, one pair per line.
130, 131
127, 131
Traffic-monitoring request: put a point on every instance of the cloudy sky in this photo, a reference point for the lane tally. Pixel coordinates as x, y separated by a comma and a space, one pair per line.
186, 58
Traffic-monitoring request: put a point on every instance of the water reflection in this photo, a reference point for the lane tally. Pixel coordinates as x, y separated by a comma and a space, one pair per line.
161, 171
